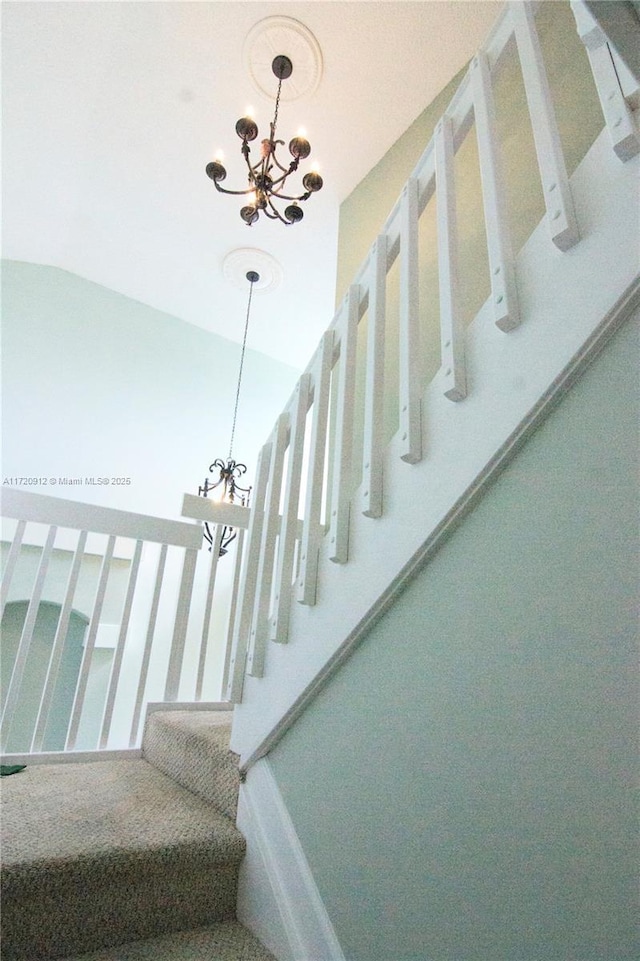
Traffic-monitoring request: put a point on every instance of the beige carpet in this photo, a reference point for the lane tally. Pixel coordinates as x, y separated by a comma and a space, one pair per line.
226, 941
106, 853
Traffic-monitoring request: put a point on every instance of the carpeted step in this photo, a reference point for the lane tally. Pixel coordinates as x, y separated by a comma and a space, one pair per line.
192, 747
225, 941
107, 852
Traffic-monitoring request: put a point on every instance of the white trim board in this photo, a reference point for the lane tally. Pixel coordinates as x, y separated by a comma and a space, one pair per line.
277, 898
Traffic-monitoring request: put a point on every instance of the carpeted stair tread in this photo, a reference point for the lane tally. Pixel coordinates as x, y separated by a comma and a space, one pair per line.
107, 852
193, 748
225, 941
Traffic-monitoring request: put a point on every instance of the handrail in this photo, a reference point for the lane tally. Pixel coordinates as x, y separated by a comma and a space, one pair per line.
44, 509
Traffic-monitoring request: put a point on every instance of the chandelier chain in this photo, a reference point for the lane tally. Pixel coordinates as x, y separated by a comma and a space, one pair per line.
244, 345
275, 113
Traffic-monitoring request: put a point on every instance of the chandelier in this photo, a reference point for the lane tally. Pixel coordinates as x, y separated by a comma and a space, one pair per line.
268, 176
226, 486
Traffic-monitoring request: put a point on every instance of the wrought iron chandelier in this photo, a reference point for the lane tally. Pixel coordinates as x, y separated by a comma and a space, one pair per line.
226, 487
267, 177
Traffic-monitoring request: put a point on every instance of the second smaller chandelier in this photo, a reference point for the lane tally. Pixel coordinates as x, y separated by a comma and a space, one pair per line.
268, 176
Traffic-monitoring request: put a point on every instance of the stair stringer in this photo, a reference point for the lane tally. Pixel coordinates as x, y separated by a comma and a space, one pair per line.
569, 304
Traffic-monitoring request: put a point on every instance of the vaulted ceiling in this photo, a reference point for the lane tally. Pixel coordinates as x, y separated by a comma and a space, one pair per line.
112, 109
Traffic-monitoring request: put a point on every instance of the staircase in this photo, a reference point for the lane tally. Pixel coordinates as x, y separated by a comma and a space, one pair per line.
128, 859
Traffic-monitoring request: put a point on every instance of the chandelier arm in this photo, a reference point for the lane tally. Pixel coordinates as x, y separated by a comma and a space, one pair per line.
236, 193
287, 170
276, 212
302, 197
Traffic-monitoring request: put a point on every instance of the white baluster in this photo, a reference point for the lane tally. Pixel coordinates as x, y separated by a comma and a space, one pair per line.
249, 578
501, 263
120, 646
233, 609
10, 566
148, 644
260, 618
17, 674
373, 450
553, 172
311, 533
89, 645
174, 670
619, 120
410, 355
206, 620
451, 327
58, 645
279, 631
342, 477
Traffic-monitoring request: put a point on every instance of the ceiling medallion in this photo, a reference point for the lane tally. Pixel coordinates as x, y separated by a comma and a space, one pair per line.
283, 35
238, 262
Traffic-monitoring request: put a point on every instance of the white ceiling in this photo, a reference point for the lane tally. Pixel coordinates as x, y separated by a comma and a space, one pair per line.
112, 109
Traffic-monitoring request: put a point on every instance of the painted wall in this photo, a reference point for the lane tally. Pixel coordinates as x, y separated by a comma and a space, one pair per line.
365, 211
463, 787
97, 385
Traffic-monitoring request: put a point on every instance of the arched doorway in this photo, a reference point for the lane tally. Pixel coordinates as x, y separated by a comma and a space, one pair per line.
21, 732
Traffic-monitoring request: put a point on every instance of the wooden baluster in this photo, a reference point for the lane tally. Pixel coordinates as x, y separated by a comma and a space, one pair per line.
120, 646
206, 621
17, 674
89, 646
342, 477
373, 451
410, 355
57, 647
233, 609
12, 559
260, 618
146, 656
311, 532
451, 327
249, 578
619, 120
553, 172
501, 262
176, 657
279, 631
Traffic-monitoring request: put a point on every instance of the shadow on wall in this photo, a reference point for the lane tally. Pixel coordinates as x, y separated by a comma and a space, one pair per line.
22, 728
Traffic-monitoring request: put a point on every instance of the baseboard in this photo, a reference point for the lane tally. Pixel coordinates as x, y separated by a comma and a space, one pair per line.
278, 899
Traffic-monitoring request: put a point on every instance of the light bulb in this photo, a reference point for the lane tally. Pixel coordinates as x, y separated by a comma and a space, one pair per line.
302, 132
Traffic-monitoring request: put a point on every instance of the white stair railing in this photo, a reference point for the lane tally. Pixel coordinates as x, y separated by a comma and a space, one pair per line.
167, 636
268, 613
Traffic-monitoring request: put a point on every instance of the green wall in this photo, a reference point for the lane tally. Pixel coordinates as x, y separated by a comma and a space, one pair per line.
463, 787
364, 212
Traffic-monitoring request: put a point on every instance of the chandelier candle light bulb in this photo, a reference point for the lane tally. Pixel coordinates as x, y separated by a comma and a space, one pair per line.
267, 177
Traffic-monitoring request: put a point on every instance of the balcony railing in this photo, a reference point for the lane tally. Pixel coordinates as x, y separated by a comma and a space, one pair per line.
154, 615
